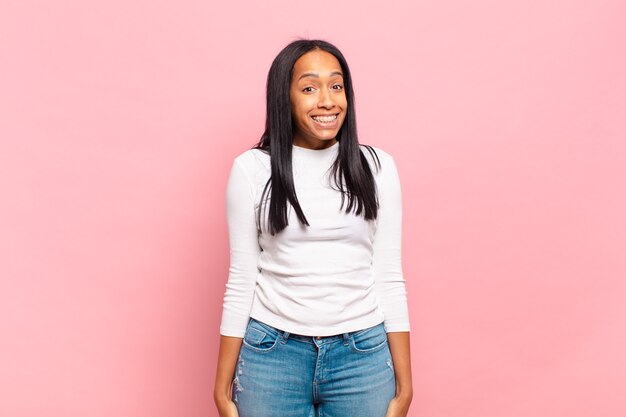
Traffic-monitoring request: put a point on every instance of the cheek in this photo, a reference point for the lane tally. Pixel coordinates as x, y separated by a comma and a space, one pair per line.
299, 117
344, 102
296, 109
298, 113
344, 106
301, 109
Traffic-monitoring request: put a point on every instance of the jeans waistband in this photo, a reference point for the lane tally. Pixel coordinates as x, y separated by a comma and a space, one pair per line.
318, 339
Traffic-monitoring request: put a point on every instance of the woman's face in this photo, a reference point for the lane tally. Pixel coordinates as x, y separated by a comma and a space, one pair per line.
318, 100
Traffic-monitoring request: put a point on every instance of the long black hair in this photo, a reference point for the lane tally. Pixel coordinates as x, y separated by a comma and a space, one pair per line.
350, 170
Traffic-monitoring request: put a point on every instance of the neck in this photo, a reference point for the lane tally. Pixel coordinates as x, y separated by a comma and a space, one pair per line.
315, 145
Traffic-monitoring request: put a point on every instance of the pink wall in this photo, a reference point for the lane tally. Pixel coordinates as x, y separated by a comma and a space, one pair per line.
118, 124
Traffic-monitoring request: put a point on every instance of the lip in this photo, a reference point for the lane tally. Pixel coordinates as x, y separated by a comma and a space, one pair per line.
326, 114
331, 125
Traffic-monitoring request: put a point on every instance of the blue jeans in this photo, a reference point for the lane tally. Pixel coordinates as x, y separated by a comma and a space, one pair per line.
279, 374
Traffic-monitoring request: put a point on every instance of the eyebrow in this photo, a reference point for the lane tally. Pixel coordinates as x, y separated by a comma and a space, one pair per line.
313, 74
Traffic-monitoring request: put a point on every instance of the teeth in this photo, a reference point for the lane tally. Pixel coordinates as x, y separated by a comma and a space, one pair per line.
325, 119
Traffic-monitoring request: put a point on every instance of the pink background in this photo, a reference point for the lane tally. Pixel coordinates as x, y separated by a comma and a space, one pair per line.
118, 124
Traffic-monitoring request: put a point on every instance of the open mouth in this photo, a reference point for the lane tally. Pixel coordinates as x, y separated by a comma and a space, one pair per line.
325, 120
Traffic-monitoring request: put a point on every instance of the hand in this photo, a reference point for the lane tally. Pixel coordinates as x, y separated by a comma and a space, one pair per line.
398, 407
227, 408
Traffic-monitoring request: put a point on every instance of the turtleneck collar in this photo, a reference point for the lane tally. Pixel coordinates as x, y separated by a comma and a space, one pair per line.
316, 152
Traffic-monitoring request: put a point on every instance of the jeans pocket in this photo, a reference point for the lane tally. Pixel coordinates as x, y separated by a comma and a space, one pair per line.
260, 337
369, 340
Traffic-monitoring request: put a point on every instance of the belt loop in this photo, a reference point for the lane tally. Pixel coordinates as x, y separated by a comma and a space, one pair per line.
285, 337
346, 339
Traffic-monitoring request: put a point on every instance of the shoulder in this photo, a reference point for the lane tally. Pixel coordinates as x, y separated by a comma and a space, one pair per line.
378, 159
251, 157
251, 167
252, 161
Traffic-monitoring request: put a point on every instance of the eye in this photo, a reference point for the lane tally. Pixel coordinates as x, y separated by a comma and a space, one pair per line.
307, 89
339, 87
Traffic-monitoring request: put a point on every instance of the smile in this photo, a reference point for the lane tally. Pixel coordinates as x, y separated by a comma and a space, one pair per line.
325, 119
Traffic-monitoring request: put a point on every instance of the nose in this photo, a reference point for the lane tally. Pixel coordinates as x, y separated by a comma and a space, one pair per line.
326, 99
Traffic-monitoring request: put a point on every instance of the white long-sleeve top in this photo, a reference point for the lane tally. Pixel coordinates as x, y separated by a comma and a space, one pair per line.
340, 274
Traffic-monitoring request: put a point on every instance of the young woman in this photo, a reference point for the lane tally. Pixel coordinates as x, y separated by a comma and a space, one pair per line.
315, 320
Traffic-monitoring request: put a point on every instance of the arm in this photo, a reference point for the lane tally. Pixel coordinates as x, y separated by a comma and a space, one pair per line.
226, 362
244, 254
390, 283
401, 356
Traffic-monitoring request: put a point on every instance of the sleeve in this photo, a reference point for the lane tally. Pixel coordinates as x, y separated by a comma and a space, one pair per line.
387, 257
244, 252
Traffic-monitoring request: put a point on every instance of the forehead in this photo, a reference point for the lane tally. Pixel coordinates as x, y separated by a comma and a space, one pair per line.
316, 61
